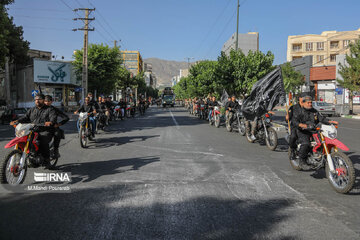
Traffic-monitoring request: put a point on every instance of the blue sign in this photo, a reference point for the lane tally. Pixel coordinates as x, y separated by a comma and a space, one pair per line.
34, 92
339, 91
78, 89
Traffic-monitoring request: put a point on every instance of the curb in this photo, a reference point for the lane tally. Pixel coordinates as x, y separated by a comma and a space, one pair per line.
350, 116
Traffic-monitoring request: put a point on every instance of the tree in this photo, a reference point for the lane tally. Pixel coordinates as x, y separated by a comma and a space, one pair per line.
104, 67
351, 73
293, 80
12, 43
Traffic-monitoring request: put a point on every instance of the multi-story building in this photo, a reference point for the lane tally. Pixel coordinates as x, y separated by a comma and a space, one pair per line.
323, 48
132, 60
246, 42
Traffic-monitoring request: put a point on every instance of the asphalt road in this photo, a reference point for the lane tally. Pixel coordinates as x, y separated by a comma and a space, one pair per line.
168, 175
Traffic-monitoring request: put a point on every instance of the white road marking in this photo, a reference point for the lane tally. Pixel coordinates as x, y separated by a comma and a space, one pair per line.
176, 123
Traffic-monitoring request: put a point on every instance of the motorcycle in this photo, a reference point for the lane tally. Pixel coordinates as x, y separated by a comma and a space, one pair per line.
215, 117
236, 121
142, 108
118, 112
101, 121
128, 110
25, 155
85, 132
202, 114
264, 131
325, 153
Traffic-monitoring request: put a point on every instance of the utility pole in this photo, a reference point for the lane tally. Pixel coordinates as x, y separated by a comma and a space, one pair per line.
86, 29
237, 26
7, 82
188, 60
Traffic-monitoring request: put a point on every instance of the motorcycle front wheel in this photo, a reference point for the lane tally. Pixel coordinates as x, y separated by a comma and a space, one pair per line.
83, 137
228, 127
294, 162
242, 127
217, 120
272, 139
342, 181
10, 172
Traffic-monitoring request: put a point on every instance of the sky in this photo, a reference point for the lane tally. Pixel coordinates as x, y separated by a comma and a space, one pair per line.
179, 29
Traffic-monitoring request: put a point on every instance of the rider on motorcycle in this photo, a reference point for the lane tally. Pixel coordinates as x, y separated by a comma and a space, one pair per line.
44, 115
87, 107
230, 108
212, 105
58, 132
306, 120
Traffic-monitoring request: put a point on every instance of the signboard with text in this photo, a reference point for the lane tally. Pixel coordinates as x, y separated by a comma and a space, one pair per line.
52, 72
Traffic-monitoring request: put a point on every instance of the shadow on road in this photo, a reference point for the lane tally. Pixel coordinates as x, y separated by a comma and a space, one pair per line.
117, 141
89, 171
356, 160
115, 212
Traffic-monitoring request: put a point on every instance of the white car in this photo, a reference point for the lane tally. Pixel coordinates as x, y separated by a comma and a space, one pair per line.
324, 108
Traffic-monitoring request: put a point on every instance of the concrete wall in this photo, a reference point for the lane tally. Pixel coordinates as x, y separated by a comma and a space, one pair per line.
246, 42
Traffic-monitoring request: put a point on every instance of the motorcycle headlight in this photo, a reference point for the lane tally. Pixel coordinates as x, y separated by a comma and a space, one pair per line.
20, 133
267, 120
332, 135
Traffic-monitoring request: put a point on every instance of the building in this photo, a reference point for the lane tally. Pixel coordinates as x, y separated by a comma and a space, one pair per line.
323, 48
184, 73
324, 79
246, 42
132, 61
55, 78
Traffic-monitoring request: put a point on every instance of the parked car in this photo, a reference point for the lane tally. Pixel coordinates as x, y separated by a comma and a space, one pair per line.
324, 108
12, 114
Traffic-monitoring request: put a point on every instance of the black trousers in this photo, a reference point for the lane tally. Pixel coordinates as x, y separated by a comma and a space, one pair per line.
304, 140
58, 135
44, 139
293, 137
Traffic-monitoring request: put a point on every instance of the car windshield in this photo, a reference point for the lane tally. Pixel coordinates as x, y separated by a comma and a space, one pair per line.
323, 104
167, 98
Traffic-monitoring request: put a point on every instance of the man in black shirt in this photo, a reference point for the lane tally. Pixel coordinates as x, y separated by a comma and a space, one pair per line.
87, 107
293, 111
44, 117
212, 104
307, 119
231, 107
58, 132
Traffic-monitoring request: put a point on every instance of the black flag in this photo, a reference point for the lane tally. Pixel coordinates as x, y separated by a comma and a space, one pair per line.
265, 95
224, 98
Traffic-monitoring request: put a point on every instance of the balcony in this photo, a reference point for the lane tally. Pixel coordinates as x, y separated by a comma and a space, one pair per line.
297, 47
334, 44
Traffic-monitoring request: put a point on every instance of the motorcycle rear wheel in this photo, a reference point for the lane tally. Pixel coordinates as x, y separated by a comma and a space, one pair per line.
248, 137
229, 127
15, 177
343, 181
272, 140
83, 137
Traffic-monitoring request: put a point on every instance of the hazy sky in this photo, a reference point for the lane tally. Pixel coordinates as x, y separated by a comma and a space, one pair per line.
177, 29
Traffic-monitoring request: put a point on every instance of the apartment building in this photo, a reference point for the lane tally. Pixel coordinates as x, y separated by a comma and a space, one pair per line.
132, 60
323, 48
246, 42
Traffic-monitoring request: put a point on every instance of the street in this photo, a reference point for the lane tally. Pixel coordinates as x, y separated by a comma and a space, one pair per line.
169, 175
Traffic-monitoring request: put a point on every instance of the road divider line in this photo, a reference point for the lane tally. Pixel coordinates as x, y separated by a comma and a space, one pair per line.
176, 123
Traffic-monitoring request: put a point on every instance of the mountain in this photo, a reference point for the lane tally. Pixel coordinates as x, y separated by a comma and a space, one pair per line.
165, 70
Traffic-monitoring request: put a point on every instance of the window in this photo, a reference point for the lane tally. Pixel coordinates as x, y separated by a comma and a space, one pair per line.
346, 43
296, 57
297, 47
320, 46
309, 46
333, 58
334, 44
320, 59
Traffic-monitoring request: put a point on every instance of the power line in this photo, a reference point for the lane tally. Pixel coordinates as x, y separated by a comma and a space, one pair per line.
37, 9
48, 18
226, 25
212, 27
44, 28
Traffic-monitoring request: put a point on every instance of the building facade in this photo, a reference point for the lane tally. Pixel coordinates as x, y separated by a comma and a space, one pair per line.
246, 42
323, 48
132, 61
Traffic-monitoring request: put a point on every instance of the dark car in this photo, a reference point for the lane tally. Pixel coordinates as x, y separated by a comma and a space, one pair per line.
12, 114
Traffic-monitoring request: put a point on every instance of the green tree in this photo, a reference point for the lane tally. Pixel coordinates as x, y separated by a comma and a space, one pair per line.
104, 67
351, 73
293, 80
12, 43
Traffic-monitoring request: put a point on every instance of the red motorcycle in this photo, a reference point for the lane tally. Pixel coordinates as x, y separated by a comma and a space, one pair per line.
25, 154
215, 117
325, 153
